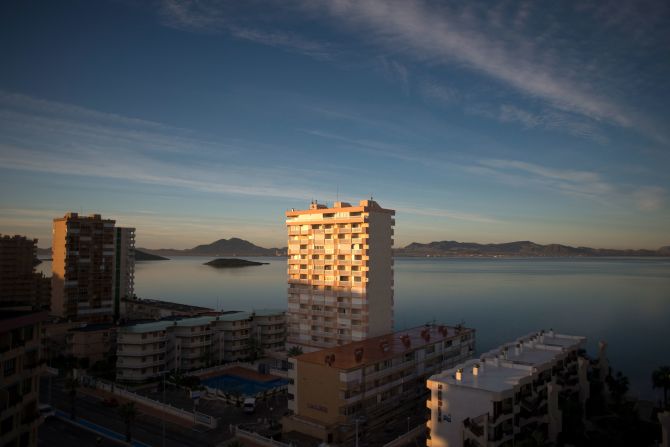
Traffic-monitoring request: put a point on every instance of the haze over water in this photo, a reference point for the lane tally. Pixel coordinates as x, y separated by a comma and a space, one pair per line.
623, 301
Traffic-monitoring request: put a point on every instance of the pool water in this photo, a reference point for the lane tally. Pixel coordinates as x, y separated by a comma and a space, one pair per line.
235, 384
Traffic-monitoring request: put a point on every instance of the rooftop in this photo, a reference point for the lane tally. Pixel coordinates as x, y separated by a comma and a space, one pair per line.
93, 327
170, 305
161, 325
506, 366
319, 208
384, 347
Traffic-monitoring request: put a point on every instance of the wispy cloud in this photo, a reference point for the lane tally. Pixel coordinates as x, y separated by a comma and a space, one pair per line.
578, 183
49, 137
215, 17
449, 36
547, 119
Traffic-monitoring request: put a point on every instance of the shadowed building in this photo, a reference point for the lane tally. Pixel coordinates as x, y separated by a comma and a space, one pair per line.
20, 378
20, 287
511, 394
340, 274
124, 267
83, 267
374, 384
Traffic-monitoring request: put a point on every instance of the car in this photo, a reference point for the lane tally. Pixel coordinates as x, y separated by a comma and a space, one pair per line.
249, 405
110, 402
46, 411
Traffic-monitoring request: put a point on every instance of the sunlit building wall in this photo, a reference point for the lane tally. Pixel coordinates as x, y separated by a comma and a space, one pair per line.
340, 274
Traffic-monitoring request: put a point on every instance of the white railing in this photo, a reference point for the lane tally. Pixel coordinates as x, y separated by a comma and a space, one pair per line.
117, 390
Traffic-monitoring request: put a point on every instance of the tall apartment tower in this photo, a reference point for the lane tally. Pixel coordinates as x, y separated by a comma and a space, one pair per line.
83, 267
124, 267
21, 288
340, 274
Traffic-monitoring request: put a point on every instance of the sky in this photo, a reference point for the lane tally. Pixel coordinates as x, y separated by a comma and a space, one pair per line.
476, 121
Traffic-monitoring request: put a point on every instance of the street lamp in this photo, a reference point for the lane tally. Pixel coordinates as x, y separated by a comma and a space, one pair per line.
163, 374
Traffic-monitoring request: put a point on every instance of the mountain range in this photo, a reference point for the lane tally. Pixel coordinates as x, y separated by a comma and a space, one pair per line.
240, 247
519, 248
223, 247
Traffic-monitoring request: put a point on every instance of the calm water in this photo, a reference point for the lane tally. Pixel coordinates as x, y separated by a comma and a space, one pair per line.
623, 301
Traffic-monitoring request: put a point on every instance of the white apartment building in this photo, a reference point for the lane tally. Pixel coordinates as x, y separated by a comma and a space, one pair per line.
510, 394
144, 350
340, 274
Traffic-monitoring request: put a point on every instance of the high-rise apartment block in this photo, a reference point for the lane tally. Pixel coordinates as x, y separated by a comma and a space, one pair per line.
21, 288
340, 274
83, 267
21, 368
124, 267
511, 394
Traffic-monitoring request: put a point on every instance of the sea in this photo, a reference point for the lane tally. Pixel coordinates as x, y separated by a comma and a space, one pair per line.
624, 302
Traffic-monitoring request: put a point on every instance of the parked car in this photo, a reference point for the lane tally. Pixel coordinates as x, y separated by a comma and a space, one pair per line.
110, 402
249, 405
46, 411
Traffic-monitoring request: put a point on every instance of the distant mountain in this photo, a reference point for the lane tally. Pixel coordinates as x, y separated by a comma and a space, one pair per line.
223, 247
142, 256
519, 248
44, 251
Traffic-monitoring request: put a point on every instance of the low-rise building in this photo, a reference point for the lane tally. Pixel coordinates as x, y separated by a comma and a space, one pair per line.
21, 367
146, 349
91, 342
509, 394
370, 384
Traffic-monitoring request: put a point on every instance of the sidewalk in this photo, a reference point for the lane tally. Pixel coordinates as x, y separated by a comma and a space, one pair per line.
98, 429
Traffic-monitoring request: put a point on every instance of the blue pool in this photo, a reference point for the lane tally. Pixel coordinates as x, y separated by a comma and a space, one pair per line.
234, 384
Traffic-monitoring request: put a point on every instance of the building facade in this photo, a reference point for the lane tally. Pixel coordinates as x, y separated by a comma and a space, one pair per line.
144, 350
21, 288
374, 384
340, 274
21, 367
92, 342
510, 394
124, 267
82, 285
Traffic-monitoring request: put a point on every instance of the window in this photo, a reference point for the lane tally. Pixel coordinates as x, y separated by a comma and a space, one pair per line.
10, 367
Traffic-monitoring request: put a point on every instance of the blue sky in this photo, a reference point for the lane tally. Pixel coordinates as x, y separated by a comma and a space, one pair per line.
476, 121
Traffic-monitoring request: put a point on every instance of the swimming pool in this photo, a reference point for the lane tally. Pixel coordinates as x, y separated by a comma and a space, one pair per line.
235, 384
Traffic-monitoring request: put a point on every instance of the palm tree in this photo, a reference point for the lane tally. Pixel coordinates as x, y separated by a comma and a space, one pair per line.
128, 413
295, 351
661, 379
71, 384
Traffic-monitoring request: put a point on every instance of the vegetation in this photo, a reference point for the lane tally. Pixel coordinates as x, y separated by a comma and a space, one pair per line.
255, 349
227, 263
71, 385
661, 379
295, 351
128, 413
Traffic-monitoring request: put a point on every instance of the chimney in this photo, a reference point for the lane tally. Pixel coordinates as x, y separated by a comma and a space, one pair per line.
518, 349
475, 369
459, 374
551, 332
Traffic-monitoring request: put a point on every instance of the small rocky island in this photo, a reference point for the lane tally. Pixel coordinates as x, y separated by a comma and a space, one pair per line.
228, 263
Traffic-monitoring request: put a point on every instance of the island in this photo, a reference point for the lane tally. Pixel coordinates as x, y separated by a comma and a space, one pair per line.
232, 262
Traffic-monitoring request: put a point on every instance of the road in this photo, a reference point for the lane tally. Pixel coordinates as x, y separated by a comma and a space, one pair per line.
147, 429
57, 433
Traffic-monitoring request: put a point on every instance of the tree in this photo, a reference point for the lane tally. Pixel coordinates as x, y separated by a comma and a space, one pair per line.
71, 385
128, 413
207, 357
661, 379
295, 351
618, 386
255, 349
